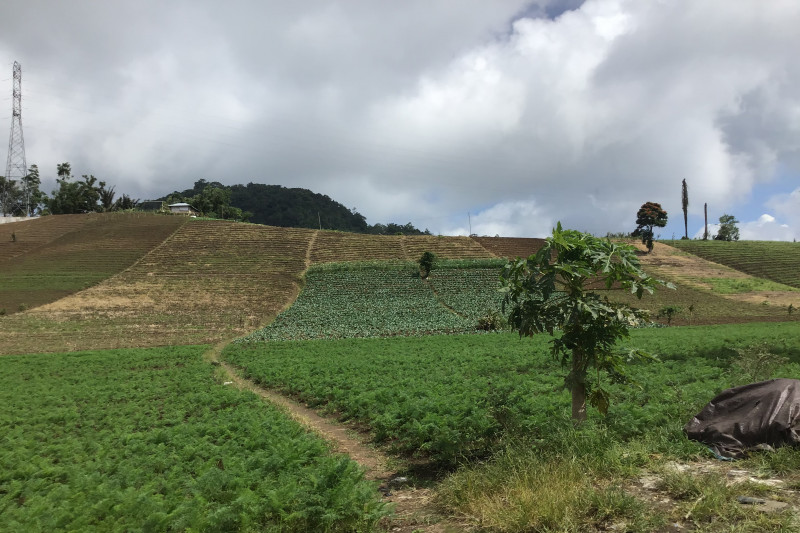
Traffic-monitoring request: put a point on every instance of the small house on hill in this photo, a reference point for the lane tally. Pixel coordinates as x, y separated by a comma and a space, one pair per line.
182, 208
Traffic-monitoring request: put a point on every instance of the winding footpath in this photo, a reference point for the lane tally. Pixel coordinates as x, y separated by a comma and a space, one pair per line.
413, 507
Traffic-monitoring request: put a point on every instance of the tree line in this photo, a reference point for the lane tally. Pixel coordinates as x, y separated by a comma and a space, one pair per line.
272, 205
71, 195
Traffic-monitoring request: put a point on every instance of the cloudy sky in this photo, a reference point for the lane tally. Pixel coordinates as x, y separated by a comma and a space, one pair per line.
495, 116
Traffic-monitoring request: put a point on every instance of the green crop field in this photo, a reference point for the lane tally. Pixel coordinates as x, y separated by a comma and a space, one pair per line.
345, 300
451, 397
386, 299
776, 261
148, 440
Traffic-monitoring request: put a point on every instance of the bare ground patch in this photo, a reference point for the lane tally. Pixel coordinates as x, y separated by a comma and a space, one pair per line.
751, 491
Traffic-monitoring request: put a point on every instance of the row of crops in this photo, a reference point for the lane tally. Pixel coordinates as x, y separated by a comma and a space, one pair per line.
347, 300
776, 261
448, 398
147, 440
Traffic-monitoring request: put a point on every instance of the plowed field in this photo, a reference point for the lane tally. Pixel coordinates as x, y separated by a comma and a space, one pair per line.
210, 280
55, 256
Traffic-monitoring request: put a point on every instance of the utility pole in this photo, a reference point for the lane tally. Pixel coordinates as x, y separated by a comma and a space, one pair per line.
16, 166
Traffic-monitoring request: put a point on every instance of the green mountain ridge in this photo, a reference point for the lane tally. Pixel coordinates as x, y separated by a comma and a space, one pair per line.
276, 205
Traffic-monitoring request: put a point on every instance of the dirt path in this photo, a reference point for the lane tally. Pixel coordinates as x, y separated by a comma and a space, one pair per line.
413, 506
311, 242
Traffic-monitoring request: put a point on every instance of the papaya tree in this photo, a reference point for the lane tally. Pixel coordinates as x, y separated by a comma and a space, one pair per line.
550, 292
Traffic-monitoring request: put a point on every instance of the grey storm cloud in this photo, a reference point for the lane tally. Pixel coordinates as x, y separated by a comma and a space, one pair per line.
518, 113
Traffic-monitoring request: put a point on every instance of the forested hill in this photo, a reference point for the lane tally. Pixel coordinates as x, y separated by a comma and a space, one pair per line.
275, 205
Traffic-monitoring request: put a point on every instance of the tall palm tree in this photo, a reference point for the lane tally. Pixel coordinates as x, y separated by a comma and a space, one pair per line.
685, 204
106, 197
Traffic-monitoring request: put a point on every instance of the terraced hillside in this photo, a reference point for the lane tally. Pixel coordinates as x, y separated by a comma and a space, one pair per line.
510, 247
55, 256
341, 247
709, 286
776, 261
210, 280
31, 234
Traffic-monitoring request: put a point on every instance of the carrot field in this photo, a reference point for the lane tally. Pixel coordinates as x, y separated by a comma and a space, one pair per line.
149, 440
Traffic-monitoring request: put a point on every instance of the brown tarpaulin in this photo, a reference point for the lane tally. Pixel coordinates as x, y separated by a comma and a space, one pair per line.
742, 418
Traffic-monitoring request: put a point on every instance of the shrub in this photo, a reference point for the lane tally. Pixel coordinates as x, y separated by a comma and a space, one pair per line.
426, 263
756, 362
669, 312
492, 321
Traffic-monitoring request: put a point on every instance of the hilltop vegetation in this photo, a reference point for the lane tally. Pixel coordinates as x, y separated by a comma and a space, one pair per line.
275, 205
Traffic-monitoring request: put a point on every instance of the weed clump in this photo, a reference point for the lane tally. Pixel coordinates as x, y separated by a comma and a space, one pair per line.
756, 362
492, 321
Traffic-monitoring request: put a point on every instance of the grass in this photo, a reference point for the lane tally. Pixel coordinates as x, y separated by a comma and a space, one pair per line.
331, 246
544, 489
149, 440
587, 480
703, 307
738, 286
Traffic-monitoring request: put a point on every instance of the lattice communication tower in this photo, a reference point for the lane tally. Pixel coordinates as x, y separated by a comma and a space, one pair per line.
16, 166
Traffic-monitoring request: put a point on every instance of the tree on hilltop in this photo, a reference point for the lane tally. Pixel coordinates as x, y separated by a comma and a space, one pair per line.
650, 215
87, 195
23, 197
728, 231
547, 292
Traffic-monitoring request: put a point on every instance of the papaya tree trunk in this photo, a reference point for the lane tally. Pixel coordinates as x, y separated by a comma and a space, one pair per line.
578, 387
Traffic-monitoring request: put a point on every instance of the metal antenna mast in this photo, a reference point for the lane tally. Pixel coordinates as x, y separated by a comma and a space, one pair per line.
16, 166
